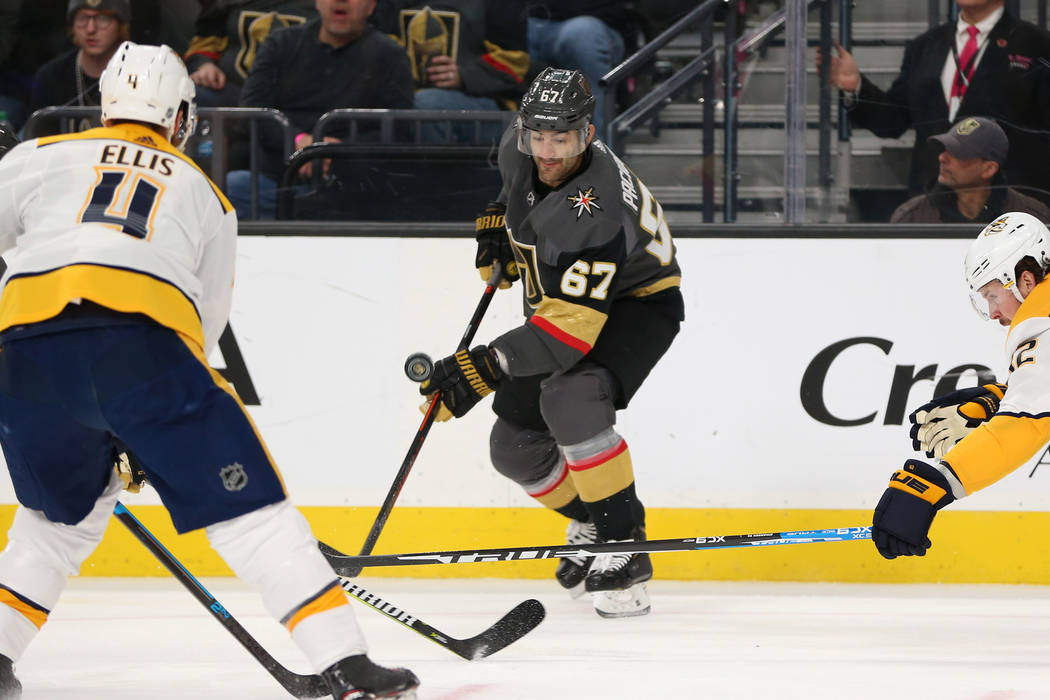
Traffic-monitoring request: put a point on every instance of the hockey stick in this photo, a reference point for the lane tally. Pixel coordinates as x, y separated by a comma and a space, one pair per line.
521, 620
340, 561
298, 685
424, 427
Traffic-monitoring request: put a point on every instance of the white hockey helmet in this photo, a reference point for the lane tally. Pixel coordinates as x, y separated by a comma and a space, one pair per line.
149, 84
999, 247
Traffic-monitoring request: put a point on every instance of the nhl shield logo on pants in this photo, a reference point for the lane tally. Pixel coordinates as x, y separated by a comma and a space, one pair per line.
233, 477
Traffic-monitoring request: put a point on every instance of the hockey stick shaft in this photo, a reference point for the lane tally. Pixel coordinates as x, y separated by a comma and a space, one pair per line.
341, 561
297, 685
428, 421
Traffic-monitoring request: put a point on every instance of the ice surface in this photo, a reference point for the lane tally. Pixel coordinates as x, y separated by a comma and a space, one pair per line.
117, 639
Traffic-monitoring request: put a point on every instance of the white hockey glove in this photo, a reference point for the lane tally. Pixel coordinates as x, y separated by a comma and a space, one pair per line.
938, 425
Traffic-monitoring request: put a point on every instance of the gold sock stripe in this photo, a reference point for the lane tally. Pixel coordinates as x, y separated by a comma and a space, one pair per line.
471, 373
330, 598
30, 610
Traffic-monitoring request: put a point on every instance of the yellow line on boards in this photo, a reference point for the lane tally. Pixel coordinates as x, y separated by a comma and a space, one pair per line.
969, 546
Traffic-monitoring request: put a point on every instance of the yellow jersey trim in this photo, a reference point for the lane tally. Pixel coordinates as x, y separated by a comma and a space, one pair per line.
32, 298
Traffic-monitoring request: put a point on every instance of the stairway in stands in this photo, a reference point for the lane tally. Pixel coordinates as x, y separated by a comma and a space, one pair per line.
669, 158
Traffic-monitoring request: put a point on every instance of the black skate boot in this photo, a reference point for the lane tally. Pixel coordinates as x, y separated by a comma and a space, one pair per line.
10, 688
573, 570
357, 678
616, 582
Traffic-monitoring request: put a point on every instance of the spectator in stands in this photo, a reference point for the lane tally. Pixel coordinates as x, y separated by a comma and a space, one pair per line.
987, 63
32, 32
335, 61
227, 39
590, 36
970, 187
98, 28
465, 54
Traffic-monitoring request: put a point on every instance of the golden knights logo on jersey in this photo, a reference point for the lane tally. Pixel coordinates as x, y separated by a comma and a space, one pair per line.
584, 201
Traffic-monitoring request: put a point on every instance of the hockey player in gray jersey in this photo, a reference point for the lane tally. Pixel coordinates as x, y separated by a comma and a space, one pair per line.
602, 305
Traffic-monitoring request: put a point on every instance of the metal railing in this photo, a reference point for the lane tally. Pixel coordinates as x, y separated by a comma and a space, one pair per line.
212, 129
649, 106
407, 125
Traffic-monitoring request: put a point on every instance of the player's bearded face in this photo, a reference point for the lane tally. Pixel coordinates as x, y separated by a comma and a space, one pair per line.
557, 154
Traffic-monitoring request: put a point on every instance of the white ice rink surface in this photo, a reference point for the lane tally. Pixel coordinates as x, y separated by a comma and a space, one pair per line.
118, 639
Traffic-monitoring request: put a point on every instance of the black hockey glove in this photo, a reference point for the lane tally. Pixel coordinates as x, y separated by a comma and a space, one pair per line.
129, 469
464, 379
494, 246
905, 512
936, 426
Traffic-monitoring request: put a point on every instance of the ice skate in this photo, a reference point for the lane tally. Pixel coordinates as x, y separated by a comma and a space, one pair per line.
572, 571
616, 582
357, 678
10, 688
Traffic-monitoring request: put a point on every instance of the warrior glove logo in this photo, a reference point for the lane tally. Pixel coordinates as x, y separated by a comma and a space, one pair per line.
584, 201
233, 477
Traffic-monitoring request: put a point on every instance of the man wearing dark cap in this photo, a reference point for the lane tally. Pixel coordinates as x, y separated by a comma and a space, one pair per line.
970, 185
97, 28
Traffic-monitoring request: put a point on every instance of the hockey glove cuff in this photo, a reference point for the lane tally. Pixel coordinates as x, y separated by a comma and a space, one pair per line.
938, 425
464, 379
493, 245
902, 519
129, 469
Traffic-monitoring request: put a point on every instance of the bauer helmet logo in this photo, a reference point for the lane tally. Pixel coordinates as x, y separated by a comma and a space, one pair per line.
233, 476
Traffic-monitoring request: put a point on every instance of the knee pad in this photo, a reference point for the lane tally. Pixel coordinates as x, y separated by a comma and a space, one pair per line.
273, 550
578, 405
40, 555
520, 454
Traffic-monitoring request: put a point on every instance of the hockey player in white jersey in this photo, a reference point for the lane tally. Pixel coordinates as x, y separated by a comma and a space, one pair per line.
981, 434
120, 257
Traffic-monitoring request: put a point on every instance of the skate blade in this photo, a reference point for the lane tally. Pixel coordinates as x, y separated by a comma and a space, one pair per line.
631, 602
409, 694
578, 590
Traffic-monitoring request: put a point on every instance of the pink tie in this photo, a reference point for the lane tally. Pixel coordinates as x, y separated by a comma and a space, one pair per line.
964, 70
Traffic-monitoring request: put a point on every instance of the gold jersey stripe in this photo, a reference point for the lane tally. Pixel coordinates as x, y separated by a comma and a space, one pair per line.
31, 612
657, 286
329, 600
996, 448
133, 133
220, 381
603, 480
512, 62
211, 46
580, 323
35, 298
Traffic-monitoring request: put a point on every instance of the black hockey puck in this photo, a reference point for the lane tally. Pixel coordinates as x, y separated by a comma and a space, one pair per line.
419, 367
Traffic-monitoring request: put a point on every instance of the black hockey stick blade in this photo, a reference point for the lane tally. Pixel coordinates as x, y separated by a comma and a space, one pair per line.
521, 620
343, 562
296, 684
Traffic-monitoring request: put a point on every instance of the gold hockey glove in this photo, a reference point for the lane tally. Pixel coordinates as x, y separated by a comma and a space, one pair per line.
129, 469
464, 379
490, 230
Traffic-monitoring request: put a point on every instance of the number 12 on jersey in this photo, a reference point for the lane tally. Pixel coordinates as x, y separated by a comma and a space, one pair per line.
128, 209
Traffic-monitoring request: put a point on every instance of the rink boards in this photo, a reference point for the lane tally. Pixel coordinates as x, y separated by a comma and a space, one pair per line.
782, 406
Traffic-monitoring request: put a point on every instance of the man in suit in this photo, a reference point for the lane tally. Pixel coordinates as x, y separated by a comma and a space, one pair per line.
987, 63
